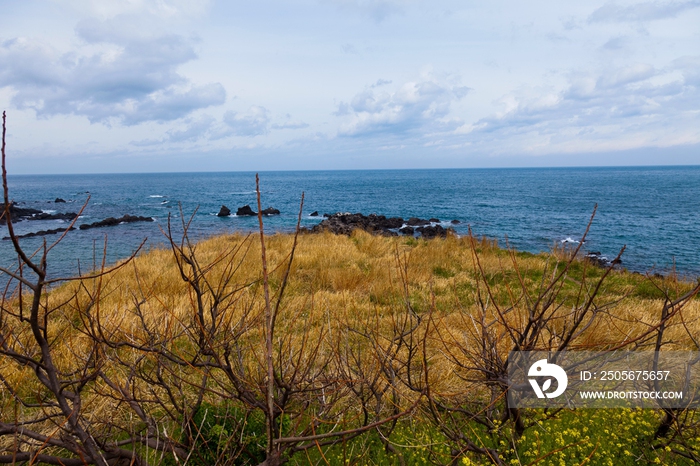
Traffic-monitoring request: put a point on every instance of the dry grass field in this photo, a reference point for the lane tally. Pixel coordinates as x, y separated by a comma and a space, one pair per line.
361, 350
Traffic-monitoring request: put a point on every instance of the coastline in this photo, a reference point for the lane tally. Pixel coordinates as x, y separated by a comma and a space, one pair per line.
650, 210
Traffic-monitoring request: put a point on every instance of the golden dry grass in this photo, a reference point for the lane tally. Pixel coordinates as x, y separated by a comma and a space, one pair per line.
339, 287
350, 278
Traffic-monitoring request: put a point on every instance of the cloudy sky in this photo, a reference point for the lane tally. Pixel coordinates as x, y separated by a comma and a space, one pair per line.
195, 85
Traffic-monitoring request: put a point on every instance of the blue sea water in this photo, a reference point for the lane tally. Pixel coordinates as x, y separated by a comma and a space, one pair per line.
654, 211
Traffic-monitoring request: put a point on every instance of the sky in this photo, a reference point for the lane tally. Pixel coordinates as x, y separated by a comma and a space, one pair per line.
193, 85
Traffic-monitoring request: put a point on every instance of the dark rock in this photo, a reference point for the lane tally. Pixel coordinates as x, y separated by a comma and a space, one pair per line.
455, 222
57, 216
224, 211
314, 213
245, 211
42, 233
434, 220
111, 221
327, 215
414, 221
428, 232
391, 222
345, 223
270, 211
58, 200
17, 213
597, 259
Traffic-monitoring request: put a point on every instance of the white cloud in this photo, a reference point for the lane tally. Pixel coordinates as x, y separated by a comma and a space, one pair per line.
119, 76
254, 122
194, 129
290, 123
689, 66
622, 108
645, 11
415, 105
378, 10
161, 8
627, 75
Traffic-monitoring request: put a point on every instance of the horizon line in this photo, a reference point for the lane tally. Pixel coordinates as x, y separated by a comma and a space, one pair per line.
552, 167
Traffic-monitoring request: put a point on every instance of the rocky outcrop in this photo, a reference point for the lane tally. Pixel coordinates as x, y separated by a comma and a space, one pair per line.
245, 211
17, 213
416, 222
270, 211
42, 233
599, 260
56, 216
59, 200
314, 213
455, 222
432, 231
345, 223
224, 211
111, 221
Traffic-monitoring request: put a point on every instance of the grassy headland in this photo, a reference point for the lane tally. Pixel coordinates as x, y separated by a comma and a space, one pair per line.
398, 342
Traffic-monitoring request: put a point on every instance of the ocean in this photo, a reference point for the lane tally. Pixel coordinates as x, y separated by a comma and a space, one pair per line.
653, 211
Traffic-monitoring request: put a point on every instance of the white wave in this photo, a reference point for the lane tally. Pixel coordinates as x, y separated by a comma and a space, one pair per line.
570, 240
155, 195
48, 211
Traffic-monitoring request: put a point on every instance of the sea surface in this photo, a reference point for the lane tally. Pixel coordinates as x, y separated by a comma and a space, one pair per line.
653, 211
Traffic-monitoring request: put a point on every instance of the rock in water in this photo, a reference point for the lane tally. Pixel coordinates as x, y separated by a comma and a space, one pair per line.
416, 222
345, 223
17, 213
432, 231
245, 211
111, 221
58, 216
270, 211
224, 211
42, 233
